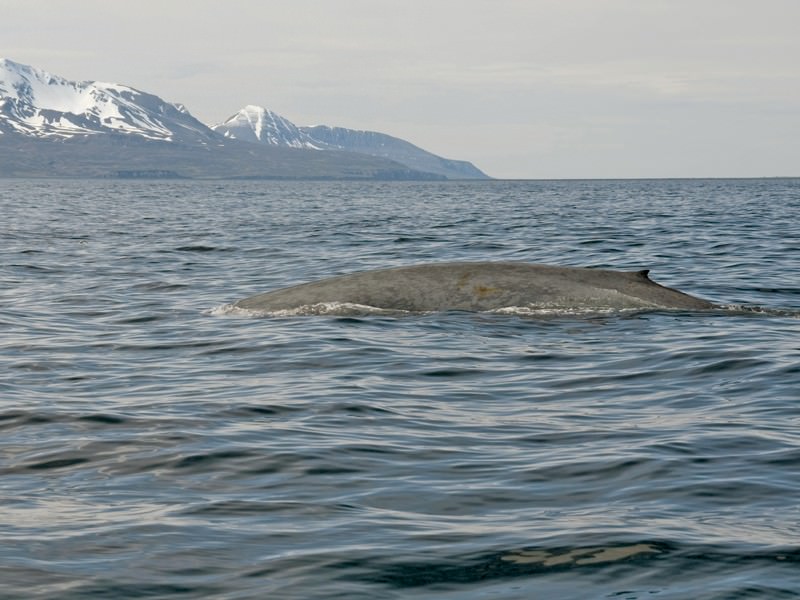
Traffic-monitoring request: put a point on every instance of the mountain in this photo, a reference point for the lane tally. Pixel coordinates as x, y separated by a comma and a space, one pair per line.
54, 127
259, 125
386, 146
118, 156
38, 104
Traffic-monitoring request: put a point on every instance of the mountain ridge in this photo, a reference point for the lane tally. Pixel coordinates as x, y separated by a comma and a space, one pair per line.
51, 126
36, 103
257, 124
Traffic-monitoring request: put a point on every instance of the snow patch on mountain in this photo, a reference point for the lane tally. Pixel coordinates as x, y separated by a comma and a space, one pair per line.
260, 125
35, 103
38, 105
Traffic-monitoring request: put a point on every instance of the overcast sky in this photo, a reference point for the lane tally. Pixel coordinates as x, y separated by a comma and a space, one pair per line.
522, 88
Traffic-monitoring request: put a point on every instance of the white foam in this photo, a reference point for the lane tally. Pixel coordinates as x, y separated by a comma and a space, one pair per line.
224, 310
322, 308
760, 310
350, 308
543, 310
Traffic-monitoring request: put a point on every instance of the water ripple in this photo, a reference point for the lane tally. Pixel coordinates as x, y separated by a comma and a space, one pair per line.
153, 446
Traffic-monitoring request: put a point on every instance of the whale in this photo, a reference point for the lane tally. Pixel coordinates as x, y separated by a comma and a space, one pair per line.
477, 287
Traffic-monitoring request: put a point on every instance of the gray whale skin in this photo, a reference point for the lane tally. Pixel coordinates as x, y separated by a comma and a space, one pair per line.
479, 286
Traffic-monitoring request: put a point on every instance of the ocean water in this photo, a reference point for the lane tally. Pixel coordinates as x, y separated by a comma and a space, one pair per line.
156, 444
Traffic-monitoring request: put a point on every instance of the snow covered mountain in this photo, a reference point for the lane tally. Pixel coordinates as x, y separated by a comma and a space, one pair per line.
257, 124
51, 126
260, 125
37, 104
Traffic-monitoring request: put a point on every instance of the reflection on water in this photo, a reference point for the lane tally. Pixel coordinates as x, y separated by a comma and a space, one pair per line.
578, 556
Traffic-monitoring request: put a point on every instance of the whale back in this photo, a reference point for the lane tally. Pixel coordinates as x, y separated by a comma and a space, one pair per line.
480, 286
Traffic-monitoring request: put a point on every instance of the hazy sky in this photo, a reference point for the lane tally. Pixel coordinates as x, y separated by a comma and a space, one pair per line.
522, 88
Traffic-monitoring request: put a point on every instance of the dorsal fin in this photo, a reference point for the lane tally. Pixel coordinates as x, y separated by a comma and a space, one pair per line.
643, 274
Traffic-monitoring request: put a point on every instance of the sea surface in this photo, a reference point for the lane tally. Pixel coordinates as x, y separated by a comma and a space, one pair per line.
155, 443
